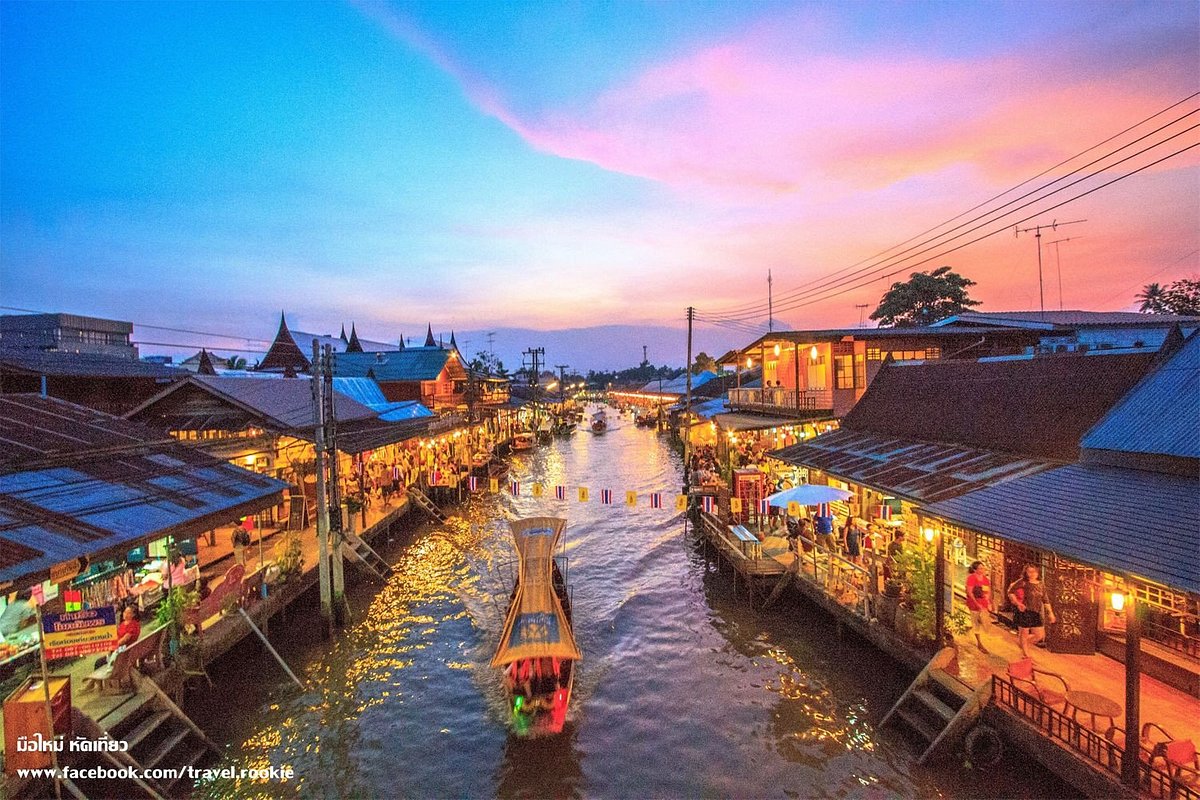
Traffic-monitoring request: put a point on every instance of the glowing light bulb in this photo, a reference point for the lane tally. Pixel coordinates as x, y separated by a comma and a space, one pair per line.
1118, 601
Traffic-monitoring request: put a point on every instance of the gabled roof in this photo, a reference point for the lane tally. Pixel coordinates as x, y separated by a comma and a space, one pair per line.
1160, 416
410, 364
87, 484
1051, 320
353, 346
1124, 520
205, 366
279, 404
284, 354
429, 342
1038, 407
81, 365
912, 469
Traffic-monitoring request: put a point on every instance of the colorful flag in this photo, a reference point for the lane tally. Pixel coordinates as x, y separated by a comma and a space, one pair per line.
885, 511
656, 499
793, 509
536, 491
583, 494
735, 505
514, 488
708, 504
473, 483
560, 493
764, 506
681, 502
73, 599
493, 485
631, 498
606, 496
822, 510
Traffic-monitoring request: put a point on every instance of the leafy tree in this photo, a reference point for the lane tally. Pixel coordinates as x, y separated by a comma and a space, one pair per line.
704, 363
235, 362
1181, 297
925, 298
1151, 298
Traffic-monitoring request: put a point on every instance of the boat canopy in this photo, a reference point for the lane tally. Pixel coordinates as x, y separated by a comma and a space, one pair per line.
536, 626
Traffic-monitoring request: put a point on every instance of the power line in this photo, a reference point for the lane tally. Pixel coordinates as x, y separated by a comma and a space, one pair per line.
758, 306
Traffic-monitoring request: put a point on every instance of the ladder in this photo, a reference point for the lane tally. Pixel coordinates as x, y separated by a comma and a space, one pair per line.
428, 506
361, 554
934, 708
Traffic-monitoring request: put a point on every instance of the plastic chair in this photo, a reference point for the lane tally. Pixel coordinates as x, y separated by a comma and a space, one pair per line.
1031, 679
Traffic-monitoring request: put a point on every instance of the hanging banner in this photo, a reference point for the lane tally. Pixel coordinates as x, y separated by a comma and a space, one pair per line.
79, 633
583, 494
735, 505
514, 488
656, 500
631, 498
493, 485
606, 496
681, 502
560, 493
537, 490
793, 509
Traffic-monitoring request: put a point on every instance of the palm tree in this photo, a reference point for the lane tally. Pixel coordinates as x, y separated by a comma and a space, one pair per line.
235, 362
1152, 297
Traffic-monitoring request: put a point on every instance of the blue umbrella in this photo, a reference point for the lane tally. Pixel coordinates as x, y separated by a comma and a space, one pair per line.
807, 494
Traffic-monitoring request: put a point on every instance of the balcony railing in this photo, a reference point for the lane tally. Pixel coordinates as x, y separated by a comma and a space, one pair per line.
784, 401
1085, 742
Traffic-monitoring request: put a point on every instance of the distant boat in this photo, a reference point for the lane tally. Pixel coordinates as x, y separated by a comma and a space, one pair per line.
522, 441
599, 422
565, 427
537, 651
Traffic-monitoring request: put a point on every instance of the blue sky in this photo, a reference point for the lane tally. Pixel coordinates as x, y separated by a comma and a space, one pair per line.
554, 164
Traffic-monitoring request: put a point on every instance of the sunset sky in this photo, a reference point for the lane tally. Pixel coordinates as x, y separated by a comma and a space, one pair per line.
556, 165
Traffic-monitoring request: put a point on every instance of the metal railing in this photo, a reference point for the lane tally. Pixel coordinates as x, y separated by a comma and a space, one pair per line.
783, 399
1085, 742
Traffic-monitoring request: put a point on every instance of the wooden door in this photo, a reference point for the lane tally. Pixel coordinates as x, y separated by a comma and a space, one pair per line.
1072, 593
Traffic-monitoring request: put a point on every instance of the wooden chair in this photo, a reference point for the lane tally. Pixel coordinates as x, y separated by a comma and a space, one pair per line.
1152, 736
1039, 682
118, 670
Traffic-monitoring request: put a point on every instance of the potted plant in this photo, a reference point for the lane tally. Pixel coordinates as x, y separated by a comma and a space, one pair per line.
170, 613
354, 506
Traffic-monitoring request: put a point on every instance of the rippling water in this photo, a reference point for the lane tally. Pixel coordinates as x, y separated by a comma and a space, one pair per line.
683, 691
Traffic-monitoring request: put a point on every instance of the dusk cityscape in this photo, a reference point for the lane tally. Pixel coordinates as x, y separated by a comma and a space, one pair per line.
602, 400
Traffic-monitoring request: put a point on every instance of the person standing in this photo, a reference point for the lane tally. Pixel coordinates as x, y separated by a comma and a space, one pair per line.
824, 526
979, 597
241, 540
1028, 594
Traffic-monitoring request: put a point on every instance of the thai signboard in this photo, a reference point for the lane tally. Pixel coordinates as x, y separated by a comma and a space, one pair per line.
79, 633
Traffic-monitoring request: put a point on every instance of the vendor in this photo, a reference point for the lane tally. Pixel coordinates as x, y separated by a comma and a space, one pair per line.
128, 632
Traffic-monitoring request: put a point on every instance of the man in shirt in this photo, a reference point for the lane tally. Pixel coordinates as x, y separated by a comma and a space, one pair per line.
979, 596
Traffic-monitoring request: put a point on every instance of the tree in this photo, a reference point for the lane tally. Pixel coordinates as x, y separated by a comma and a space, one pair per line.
1151, 298
235, 362
1181, 297
704, 363
925, 298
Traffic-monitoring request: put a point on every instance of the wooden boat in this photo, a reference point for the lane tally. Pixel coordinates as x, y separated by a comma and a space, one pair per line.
522, 441
537, 652
545, 431
564, 428
599, 422
646, 420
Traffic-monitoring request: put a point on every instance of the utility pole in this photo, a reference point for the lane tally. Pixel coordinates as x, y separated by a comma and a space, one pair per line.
770, 305
1058, 263
562, 385
535, 367
687, 406
318, 385
338, 598
1037, 234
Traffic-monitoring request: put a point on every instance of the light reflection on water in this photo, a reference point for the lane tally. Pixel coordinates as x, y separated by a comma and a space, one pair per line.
683, 692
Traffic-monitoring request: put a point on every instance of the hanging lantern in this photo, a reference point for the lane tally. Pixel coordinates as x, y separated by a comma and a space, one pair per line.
1118, 601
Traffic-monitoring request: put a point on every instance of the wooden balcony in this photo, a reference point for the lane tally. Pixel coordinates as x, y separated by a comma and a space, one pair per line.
783, 402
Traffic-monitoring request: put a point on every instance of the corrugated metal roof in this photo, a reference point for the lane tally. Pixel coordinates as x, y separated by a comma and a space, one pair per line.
736, 421
1161, 415
363, 390
38, 430
288, 401
402, 410
410, 364
1069, 319
678, 384
358, 437
1127, 521
1038, 407
907, 468
82, 365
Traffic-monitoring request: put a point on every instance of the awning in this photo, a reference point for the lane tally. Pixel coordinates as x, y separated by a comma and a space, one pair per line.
536, 626
735, 421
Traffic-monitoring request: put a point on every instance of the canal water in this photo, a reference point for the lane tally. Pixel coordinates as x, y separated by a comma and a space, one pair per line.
683, 691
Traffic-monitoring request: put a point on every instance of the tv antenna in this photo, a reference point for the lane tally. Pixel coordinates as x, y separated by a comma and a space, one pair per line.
770, 305
862, 313
1058, 263
1037, 233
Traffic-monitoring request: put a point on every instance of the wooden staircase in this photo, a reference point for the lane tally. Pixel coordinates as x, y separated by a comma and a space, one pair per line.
938, 707
363, 556
425, 504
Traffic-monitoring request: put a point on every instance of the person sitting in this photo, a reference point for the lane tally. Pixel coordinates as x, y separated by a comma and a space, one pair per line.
128, 632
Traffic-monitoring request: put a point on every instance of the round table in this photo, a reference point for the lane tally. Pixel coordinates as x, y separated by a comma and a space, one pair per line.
1096, 705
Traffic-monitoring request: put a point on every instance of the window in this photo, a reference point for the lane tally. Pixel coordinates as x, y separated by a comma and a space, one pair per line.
933, 352
843, 372
860, 371
874, 354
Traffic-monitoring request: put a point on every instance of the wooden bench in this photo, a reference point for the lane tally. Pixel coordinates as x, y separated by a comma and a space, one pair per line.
120, 665
214, 604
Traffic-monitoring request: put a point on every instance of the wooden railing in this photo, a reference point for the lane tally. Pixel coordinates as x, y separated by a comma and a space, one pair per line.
783, 400
836, 575
1083, 741
1169, 637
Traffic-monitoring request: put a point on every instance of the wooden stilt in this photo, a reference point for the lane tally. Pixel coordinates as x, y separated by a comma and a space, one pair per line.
1133, 674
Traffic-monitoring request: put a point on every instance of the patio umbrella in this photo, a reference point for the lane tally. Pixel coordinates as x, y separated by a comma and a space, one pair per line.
807, 494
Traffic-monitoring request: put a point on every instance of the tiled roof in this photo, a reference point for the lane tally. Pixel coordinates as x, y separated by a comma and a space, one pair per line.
1161, 415
82, 365
1038, 407
284, 354
1127, 521
409, 364
911, 469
